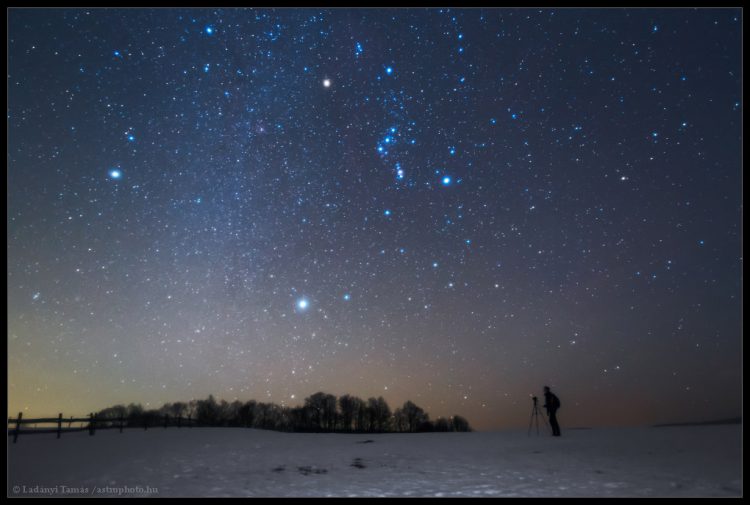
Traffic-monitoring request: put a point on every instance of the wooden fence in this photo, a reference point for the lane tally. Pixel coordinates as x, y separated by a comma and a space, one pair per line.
94, 424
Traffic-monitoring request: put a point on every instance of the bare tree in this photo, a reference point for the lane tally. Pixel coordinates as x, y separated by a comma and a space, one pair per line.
347, 404
460, 424
360, 415
400, 423
415, 416
442, 425
246, 414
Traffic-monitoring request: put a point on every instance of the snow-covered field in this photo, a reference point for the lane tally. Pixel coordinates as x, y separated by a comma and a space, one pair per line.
676, 461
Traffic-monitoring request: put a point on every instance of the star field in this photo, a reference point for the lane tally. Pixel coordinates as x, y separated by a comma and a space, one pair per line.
454, 207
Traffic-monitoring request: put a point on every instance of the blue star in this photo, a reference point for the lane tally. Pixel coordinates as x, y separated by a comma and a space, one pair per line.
347, 297
115, 173
209, 30
389, 70
387, 212
446, 180
303, 304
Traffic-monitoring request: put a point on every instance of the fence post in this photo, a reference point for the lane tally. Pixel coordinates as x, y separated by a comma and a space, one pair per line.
120, 424
166, 420
91, 424
18, 427
59, 425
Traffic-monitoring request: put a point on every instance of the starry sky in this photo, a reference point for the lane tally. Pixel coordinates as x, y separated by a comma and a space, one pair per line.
454, 207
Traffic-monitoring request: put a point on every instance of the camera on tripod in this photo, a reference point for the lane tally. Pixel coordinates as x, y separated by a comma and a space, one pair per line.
535, 415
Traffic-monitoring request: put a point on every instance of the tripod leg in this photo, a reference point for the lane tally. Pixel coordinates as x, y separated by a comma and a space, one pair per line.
531, 420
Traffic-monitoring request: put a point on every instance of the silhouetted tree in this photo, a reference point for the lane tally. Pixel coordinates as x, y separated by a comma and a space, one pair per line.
110, 415
330, 412
246, 414
460, 424
135, 415
360, 415
426, 426
152, 417
322, 409
372, 414
263, 417
207, 411
300, 419
177, 409
347, 405
315, 405
442, 425
320, 412
400, 424
414, 415
380, 414
230, 413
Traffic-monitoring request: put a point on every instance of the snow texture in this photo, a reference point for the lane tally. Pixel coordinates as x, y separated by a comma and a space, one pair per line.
694, 461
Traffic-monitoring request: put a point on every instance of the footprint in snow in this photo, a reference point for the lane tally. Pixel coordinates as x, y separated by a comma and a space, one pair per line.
307, 470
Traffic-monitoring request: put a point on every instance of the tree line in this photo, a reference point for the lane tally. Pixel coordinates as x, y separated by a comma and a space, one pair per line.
320, 412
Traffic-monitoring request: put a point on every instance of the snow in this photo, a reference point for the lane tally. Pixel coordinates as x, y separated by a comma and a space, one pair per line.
687, 461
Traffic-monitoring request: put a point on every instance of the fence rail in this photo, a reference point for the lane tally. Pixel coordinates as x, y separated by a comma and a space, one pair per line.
94, 424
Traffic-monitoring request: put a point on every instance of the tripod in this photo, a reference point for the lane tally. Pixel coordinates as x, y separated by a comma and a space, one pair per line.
535, 415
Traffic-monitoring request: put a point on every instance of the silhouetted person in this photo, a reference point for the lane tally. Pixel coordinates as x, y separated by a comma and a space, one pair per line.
552, 403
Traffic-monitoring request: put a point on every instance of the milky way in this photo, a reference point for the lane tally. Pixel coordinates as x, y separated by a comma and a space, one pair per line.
453, 207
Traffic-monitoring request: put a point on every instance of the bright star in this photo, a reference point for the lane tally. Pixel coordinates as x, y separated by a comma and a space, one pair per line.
447, 180
303, 303
326, 83
115, 173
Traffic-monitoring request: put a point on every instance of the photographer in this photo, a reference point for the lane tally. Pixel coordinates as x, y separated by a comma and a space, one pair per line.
552, 403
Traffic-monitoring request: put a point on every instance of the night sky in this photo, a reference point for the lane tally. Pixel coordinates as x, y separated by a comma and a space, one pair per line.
453, 207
